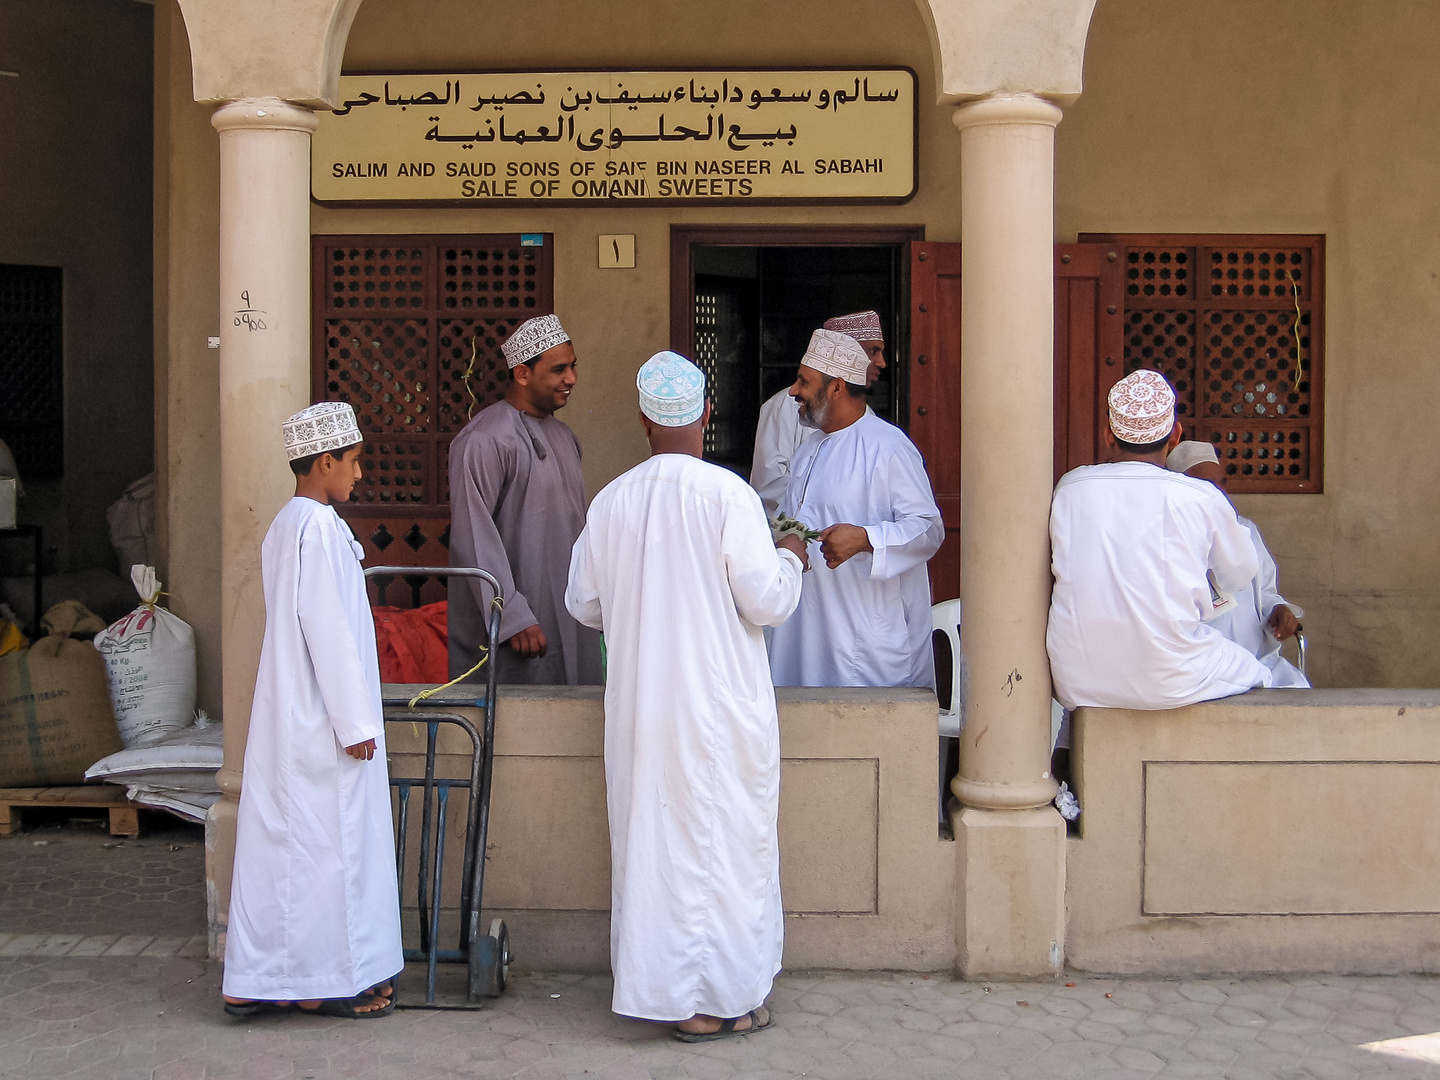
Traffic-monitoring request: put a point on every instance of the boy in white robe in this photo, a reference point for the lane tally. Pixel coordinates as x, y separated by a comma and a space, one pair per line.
1261, 618
1134, 552
779, 433
864, 617
314, 909
677, 566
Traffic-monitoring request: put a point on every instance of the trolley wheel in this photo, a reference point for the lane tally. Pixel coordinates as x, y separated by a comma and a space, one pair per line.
492, 970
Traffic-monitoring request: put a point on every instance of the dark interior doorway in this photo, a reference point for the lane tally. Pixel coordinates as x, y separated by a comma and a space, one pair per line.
745, 301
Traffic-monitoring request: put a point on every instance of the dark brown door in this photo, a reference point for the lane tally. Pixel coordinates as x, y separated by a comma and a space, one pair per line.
935, 394
1088, 343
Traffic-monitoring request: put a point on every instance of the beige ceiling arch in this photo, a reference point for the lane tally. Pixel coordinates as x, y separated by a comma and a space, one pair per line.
987, 47
288, 49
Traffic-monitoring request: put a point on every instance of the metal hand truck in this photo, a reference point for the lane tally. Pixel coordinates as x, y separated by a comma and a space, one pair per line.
486, 956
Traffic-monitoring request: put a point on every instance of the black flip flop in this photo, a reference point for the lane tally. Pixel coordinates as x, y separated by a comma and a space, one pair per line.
727, 1029
250, 1010
344, 1008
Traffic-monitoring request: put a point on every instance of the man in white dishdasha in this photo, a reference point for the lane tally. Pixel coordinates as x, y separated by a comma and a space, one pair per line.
677, 566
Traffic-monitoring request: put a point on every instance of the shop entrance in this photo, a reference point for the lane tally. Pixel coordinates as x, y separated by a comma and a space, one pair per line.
744, 301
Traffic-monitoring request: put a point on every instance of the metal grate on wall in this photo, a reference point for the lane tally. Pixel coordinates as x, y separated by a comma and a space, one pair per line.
32, 369
1235, 322
398, 321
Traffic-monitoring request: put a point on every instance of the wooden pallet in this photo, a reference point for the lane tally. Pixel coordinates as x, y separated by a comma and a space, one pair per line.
124, 815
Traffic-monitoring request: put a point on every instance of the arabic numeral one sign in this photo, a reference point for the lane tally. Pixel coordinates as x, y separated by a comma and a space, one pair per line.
596, 137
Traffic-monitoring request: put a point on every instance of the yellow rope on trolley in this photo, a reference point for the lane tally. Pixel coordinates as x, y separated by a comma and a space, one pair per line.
498, 605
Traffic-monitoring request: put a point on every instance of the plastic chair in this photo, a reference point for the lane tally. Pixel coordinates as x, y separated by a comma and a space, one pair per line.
945, 619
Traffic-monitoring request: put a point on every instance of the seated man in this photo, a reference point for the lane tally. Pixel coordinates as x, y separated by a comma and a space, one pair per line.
1262, 618
1134, 551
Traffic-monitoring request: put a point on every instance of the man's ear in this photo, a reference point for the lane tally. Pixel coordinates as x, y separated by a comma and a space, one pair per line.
1177, 436
705, 416
1111, 443
645, 422
521, 374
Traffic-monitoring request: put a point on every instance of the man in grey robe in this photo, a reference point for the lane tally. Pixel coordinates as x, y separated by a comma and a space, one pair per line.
517, 503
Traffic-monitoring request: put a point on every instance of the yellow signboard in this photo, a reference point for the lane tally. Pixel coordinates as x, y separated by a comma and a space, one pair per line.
606, 137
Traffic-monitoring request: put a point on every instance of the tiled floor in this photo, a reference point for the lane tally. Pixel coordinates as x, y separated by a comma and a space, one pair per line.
102, 977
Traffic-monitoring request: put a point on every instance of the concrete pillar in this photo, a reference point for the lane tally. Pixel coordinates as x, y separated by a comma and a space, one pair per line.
264, 377
1011, 845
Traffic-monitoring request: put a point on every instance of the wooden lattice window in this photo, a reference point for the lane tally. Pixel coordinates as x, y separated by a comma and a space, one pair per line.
32, 369
397, 319
1236, 323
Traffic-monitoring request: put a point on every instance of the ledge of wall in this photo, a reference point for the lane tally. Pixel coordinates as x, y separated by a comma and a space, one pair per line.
866, 881
1277, 831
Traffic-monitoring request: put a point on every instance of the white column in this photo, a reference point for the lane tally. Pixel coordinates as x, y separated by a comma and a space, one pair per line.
1010, 843
264, 377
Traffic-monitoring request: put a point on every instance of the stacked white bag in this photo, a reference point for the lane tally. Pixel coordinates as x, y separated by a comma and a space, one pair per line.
150, 658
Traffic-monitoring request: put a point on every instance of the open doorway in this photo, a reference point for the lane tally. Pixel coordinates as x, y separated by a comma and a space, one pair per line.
744, 301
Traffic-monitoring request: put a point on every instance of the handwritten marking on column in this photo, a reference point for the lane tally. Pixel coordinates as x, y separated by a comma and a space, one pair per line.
249, 316
1010, 681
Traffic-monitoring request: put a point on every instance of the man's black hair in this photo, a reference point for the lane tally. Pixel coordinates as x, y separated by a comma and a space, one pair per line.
1141, 448
302, 466
528, 363
851, 388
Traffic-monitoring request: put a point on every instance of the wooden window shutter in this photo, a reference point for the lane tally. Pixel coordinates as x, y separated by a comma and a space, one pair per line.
395, 322
1236, 323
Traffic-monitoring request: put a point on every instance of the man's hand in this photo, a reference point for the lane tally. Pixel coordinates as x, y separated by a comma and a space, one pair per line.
797, 547
529, 643
1283, 623
840, 543
362, 751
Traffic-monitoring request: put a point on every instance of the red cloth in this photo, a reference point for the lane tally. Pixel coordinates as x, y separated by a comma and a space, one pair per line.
413, 644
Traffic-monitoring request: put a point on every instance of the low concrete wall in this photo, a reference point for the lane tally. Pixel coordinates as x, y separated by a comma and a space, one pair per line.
1277, 831
866, 881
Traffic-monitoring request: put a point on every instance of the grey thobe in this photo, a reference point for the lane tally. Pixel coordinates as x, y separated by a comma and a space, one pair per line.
517, 503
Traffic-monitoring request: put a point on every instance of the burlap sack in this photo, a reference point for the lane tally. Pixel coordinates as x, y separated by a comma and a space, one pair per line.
55, 714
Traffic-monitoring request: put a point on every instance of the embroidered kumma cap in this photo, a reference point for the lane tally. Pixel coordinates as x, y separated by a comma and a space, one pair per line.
1142, 408
672, 390
329, 425
837, 355
531, 338
862, 326
1189, 454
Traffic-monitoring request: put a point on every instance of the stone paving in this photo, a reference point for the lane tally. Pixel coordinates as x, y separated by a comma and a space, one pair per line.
86, 994
110, 1018
72, 877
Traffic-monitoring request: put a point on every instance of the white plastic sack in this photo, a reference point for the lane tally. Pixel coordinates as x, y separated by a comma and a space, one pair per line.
150, 657
185, 760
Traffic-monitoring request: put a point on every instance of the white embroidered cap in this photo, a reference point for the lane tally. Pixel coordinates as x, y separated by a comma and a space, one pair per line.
672, 390
1189, 454
1142, 408
532, 337
862, 326
838, 355
329, 425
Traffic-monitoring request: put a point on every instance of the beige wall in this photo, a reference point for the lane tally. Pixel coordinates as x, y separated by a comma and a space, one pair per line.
187, 372
75, 177
867, 883
1313, 117
1279, 831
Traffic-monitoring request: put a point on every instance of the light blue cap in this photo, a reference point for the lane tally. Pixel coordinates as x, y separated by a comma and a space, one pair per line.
672, 390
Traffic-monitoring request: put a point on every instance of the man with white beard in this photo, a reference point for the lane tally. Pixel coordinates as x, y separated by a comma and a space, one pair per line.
779, 434
864, 615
